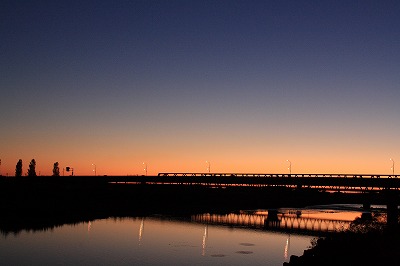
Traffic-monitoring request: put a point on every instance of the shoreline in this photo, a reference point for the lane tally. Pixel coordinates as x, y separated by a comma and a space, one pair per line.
37, 200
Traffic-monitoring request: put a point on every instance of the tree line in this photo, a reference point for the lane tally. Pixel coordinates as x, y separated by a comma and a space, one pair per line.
32, 168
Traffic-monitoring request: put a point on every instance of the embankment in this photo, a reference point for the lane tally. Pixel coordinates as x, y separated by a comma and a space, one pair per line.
40, 200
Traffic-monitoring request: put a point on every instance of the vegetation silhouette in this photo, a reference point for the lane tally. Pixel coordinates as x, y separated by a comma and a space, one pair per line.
366, 242
56, 169
32, 168
18, 168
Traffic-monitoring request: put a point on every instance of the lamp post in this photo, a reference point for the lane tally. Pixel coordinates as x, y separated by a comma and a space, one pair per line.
145, 167
69, 169
209, 167
94, 170
392, 166
290, 167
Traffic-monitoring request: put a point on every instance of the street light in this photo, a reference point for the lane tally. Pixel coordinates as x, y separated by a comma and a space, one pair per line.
94, 170
290, 167
392, 165
145, 167
209, 167
69, 169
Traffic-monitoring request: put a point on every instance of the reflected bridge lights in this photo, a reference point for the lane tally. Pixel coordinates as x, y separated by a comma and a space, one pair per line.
204, 242
287, 247
141, 230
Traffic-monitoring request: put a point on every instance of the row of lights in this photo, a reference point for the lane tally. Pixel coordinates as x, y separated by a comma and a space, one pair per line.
209, 167
290, 166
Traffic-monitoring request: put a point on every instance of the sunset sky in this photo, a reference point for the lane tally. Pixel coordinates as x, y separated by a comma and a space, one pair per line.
245, 85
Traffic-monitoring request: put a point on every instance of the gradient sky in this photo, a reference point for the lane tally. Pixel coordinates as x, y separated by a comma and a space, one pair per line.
245, 85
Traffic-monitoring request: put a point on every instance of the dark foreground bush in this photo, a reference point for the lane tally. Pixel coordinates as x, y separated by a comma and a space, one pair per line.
365, 243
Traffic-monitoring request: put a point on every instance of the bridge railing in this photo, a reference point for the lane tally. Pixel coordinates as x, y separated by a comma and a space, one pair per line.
280, 175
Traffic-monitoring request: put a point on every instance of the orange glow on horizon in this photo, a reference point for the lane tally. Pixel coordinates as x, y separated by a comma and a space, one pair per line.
221, 164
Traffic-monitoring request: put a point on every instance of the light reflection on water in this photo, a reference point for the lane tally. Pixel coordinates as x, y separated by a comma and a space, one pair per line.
123, 241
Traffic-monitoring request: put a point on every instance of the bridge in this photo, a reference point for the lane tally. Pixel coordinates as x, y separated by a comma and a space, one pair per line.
345, 183
275, 221
324, 182
365, 189
387, 187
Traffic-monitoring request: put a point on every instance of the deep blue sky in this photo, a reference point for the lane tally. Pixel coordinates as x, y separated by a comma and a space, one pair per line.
243, 84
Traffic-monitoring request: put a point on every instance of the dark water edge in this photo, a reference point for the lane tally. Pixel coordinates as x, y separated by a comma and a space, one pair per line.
29, 204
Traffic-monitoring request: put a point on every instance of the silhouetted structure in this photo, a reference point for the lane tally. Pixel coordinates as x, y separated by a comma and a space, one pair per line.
70, 169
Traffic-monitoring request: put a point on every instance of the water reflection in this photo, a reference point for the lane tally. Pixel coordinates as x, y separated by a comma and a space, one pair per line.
287, 246
141, 231
309, 221
203, 244
240, 238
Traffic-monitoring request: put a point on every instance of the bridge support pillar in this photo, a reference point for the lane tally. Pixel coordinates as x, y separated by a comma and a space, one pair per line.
366, 216
272, 219
367, 205
272, 215
392, 200
392, 214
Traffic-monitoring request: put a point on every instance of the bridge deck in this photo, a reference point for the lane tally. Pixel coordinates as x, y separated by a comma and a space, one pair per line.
327, 182
282, 175
333, 182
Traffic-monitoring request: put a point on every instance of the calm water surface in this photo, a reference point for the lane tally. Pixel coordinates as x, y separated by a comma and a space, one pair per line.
166, 241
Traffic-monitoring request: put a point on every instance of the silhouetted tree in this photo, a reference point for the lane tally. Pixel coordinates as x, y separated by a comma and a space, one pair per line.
32, 168
18, 168
56, 169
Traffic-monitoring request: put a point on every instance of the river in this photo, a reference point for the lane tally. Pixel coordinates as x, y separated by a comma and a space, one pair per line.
242, 238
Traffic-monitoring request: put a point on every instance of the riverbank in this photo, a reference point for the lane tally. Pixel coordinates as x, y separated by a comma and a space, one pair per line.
38, 202
80, 192
365, 243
